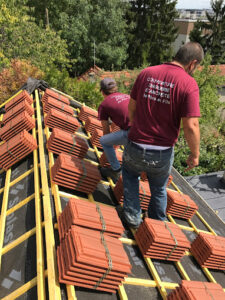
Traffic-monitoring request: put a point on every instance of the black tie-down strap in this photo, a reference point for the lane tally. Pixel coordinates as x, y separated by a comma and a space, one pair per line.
175, 240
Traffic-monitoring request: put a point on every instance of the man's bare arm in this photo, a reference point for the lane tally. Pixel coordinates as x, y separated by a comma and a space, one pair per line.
192, 136
105, 127
131, 109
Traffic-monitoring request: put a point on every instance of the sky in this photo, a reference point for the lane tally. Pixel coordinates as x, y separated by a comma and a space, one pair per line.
195, 4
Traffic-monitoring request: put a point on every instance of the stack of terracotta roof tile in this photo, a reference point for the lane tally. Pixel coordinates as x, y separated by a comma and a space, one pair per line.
58, 119
75, 173
209, 251
144, 193
195, 290
180, 205
16, 125
86, 112
16, 149
90, 215
63, 141
161, 240
56, 104
55, 95
95, 137
104, 161
17, 109
93, 260
114, 127
92, 123
17, 99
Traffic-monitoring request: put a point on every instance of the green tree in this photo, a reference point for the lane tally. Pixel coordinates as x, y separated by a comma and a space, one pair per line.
211, 34
88, 26
212, 144
22, 38
152, 31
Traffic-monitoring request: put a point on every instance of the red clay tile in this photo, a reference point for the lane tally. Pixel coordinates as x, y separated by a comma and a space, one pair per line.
17, 99
161, 240
57, 96
56, 104
90, 215
114, 127
61, 120
75, 173
16, 125
85, 112
17, 109
91, 123
16, 149
97, 133
180, 205
195, 290
104, 161
62, 141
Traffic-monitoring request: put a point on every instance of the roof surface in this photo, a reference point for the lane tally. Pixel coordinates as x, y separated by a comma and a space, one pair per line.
30, 205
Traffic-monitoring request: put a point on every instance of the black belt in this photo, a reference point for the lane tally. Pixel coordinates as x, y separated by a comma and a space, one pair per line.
147, 150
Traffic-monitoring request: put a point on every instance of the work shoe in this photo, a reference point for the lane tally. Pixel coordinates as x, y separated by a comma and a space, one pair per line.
109, 172
125, 220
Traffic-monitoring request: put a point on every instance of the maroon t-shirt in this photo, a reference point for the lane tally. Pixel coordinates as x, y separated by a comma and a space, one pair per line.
164, 94
115, 107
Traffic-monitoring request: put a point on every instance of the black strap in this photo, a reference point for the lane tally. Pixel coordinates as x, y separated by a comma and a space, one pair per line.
110, 265
175, 240
84, 175
74, 144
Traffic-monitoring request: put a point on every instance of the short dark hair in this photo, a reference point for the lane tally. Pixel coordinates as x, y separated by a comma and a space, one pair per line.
189, 52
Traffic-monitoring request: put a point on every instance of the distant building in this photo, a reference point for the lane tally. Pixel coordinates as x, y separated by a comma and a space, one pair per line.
185, 26
194, 14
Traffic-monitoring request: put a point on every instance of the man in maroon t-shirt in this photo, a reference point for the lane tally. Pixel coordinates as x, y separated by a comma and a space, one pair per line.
114, 108
161, 97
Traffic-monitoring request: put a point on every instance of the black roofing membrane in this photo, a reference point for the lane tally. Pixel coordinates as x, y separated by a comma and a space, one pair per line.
135, 292
18, 266
30, 294
19, 222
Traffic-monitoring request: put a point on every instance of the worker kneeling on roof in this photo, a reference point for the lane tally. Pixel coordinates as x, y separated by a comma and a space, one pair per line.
161, 97
114, 108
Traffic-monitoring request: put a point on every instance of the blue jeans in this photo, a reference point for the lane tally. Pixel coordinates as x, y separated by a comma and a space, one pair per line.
157, 164
108, 141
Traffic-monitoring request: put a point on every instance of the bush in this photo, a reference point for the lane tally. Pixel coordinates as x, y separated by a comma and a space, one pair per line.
13, 77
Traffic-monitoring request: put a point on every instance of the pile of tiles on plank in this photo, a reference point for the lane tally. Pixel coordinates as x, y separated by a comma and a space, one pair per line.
88, 257
17, 99
144, 193
92, 123
75, 173
16, 149
51, 93
209, 251
86, 112
95, 137
16, 125
180, 205
62, 141
58, 105
195, 290
90, 215
16, 110
59, 119
103, 161
161, 240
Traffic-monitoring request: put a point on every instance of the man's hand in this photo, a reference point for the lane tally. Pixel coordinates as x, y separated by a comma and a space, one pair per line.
192, 162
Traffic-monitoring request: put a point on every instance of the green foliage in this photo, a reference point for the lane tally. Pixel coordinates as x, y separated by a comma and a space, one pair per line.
211, 34
87, 92
152, 31
212, 144
22, 38
88, 26
209, 79
15, 75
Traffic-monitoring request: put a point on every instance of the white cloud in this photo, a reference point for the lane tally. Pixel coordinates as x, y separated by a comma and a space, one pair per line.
194, 4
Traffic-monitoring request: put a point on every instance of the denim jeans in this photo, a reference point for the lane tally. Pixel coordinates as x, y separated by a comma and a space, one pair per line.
157, 164
108, 141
